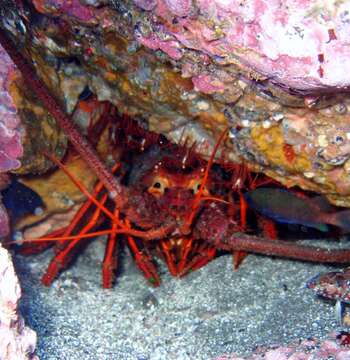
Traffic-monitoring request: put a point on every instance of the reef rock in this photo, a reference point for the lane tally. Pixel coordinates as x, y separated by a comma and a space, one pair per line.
335, 347
277, 73
17, 341
10, 133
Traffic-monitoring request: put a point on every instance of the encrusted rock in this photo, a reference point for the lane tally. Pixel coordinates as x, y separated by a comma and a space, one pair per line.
335, 347
17, 341
10, 133
276, 73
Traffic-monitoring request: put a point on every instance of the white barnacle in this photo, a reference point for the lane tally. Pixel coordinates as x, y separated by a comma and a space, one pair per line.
68, 202
203, 105
340, 108
246, 123
309, 174
322, 140
320, 179
232, 133
277, 116
266, 124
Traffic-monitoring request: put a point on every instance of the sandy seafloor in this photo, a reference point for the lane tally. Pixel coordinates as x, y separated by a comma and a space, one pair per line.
211, 312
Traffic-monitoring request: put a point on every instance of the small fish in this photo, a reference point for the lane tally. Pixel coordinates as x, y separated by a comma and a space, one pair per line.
286, 207
20, 200
333, 285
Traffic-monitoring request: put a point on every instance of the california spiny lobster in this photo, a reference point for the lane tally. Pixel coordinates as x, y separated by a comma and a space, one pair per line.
143, 216
158, 171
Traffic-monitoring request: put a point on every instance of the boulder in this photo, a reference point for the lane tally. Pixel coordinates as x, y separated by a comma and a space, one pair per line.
276, 73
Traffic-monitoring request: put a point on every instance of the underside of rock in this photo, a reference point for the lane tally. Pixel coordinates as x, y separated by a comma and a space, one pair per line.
275, 72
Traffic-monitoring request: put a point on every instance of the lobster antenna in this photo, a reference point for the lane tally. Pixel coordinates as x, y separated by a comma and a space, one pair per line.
198, 196
81, 187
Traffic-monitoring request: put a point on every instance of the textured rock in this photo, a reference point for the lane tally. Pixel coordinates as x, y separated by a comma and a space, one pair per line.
16, 340
58, 192
275, 72
296, 44
10, 132
336, 347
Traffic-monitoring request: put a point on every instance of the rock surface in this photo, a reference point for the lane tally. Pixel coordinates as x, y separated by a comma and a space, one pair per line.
10, 133
275, 72
336, 347
17, 341
10, 125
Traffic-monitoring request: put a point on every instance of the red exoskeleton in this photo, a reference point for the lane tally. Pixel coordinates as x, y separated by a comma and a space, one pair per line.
153, 215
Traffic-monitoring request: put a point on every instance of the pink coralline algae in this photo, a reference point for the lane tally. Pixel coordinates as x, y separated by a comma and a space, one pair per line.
10, 132
4, 221
299, 44
146, 4
336, 347
171, 48
179, 7
206, 84
71, 7
277, 73
333, 285
16, 340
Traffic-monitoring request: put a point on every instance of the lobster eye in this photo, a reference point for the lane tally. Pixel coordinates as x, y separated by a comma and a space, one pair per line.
158, 186
195, 186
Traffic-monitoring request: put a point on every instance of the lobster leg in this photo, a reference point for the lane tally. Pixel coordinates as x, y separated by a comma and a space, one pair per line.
28, 249
239, 256
82, 211
143, 261
62, 258
268, 227
204, 257
166, 252
185, 253
110, 258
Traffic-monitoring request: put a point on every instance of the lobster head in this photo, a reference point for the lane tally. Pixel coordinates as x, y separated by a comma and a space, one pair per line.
175, 191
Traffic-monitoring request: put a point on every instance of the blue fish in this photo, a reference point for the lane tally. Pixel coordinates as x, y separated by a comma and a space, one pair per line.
20, 200
286, 207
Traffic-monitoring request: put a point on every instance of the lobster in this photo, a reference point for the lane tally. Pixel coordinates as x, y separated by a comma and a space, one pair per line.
144, 217
162, 184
